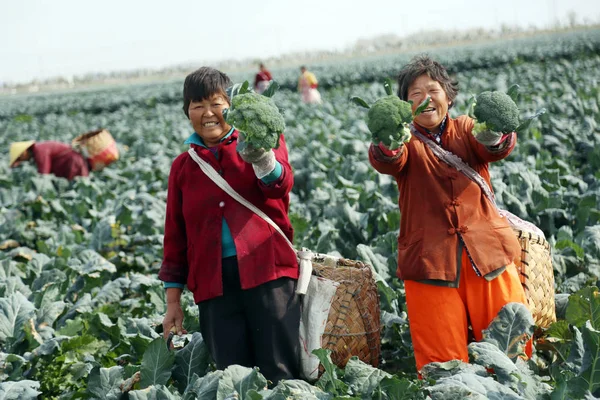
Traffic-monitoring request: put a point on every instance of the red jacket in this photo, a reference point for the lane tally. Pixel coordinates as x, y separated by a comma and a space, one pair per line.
59, 159
195, 208
438, 203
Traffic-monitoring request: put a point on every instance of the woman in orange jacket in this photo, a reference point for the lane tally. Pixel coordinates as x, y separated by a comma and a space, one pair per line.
456, 254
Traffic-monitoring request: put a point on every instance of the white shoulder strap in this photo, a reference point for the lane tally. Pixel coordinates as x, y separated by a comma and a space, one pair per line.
305, 256
222, 183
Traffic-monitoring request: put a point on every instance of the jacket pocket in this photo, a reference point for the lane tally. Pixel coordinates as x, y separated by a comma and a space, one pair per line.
410, 248
283, 255
410, 239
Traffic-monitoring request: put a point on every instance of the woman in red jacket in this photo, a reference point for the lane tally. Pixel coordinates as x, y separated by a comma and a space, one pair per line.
263, 79
50, 158
456, 254
242, 273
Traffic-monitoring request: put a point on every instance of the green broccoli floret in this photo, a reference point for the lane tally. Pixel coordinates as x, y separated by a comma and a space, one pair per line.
495, 111
389, 117
388, 120
258, 118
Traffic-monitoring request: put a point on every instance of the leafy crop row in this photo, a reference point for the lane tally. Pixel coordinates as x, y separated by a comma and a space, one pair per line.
80, 304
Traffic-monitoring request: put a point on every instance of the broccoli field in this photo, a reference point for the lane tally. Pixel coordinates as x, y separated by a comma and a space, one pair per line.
80, 303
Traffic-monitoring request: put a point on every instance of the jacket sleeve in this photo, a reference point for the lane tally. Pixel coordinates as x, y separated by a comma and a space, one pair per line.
174, 267
385, 164
282, 186
488, 154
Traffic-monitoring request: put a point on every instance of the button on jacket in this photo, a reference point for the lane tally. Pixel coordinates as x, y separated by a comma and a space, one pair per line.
196, 207
440, 205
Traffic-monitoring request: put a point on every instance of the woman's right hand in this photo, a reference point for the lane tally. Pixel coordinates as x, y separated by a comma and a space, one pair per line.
173, 321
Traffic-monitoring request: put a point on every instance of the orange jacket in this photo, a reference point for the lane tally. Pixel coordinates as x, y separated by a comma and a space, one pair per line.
439, 203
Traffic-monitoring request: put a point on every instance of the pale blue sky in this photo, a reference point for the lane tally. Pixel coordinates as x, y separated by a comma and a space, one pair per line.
40, 39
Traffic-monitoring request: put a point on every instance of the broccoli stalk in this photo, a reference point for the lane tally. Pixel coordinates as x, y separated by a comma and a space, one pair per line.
256, 117
389, 118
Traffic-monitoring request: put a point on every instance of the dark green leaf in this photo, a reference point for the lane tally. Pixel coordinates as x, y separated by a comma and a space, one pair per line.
157, 392
204, 388
360, 102
15, 311
244, 88
271, 89
104, 383
238, 379
21, 390
362, 378
591, 358
471, 106
527, 121
424, 104
192, 360
156, 364
510, 329
329, 381
513, 92
388, 85
583, 306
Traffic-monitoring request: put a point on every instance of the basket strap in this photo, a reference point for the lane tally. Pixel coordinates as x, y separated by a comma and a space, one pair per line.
304, 255
222, 183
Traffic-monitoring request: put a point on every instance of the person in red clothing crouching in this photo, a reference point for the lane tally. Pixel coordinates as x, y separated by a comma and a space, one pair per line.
262, 80
50, 157
242, 273
456, 254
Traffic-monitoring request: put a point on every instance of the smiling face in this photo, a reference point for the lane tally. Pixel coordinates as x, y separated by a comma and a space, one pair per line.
434, 114
207, 119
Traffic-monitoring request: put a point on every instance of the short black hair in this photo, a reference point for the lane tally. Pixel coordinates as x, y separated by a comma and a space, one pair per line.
202, 84
423, 64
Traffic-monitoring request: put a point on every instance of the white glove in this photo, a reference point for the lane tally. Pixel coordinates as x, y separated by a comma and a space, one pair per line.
489, 138
263, 161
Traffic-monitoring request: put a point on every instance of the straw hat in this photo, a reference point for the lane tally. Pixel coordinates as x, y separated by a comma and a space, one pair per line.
18, 148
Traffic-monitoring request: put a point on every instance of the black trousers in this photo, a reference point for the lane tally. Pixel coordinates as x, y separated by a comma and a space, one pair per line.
254, 327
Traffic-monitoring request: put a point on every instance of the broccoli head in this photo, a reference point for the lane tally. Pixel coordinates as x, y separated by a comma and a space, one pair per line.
495, 111
388, 120
258, 118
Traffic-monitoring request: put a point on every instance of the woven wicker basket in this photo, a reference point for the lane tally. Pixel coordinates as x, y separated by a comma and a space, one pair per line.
537, 277
353, 326
98, 146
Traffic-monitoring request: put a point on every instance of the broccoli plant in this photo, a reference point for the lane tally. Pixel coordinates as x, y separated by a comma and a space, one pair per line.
389, 117
496, 111
256, 116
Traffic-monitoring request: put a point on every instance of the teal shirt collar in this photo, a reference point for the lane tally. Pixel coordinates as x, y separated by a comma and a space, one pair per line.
197, 140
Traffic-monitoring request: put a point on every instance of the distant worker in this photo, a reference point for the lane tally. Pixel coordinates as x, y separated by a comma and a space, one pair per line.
50, 158
262, 80
307, 86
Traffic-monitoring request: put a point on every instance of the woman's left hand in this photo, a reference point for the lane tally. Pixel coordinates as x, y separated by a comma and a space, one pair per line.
263, 161
489, 138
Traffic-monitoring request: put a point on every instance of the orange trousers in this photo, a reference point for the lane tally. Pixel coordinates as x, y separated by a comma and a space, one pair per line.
439, 316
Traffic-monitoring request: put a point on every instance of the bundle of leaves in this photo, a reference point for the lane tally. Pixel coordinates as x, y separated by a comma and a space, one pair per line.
257, 118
